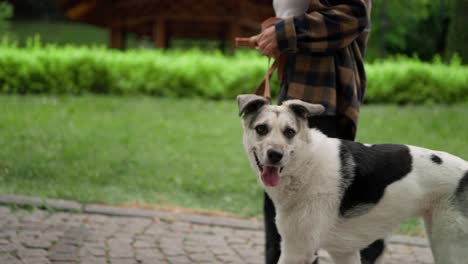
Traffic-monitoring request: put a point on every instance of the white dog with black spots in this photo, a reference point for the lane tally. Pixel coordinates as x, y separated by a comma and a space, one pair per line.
341, 195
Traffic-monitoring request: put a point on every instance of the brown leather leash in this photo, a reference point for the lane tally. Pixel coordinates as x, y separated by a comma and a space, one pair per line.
264, 88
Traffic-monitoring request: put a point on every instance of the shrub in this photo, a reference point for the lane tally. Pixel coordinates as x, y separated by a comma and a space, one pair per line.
76, 70
6, 11
404, 80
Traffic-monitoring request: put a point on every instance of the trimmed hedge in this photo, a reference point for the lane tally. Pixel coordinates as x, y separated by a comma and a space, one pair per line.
404, 80
76, 70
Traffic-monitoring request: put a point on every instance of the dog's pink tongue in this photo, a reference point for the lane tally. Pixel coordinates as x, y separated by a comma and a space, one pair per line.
270, 176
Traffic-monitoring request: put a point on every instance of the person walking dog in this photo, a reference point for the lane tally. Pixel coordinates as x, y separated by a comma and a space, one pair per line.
323, 44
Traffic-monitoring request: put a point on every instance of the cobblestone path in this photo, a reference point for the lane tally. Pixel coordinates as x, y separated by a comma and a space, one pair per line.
107, 235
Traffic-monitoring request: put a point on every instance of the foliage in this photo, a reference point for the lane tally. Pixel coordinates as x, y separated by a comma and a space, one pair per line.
429, 35
394, 19
404, 80
6, 11
36, 9
409, 27
458, 35
71, 70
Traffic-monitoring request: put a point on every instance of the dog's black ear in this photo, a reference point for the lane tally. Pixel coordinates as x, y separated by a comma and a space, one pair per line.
304, 109
249, 103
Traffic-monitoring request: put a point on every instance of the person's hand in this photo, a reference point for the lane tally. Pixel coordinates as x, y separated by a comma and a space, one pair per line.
266, 42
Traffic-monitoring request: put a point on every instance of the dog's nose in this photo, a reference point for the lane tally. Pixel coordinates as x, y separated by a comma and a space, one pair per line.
274, 156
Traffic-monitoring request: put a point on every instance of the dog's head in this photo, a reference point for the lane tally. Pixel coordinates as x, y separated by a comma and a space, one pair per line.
272, 134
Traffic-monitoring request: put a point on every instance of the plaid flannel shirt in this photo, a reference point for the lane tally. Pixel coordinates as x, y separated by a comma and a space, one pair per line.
324, 56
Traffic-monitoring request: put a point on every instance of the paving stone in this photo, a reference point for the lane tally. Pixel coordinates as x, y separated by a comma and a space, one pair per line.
236, 240
406, 240
4, 256
153, 261
21, 200
254, 260
143, 237
31, 253
172, 252
222, 250
64, 248
10, 260
230, 259
93, 260
195, 248
121, 252
179, 260
144, 244
36, 217
60, 256
95, 252
202, 257
4, 212
35, 260
7, 248
149, 255
59, 204
37, 243
118, 211
6, 232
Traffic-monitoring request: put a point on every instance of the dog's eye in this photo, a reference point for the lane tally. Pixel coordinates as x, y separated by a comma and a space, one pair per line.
289, 133
261, 130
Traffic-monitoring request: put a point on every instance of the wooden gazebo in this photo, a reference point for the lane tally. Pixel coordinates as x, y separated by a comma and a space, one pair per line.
165, 19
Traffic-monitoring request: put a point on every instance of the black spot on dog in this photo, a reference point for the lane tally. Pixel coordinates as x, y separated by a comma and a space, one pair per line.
253, 118
436, 159
461, 194
316, 261
370, 254
372, 170
463, 185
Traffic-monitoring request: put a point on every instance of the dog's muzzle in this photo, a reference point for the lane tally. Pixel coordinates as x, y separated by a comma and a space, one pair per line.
270, 174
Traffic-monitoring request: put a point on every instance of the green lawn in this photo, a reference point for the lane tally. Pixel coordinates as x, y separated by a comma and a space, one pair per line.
169, 151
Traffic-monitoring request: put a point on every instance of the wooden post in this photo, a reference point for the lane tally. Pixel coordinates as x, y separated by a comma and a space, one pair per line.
118, 38
160, 36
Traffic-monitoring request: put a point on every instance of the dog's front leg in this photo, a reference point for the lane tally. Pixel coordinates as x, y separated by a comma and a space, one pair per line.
296, 254
300, 240
351, 258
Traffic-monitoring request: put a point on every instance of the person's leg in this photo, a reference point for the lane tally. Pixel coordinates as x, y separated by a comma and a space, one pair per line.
273, 239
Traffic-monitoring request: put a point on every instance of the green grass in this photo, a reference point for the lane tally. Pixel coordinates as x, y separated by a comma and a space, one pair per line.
169, 151
119, 149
